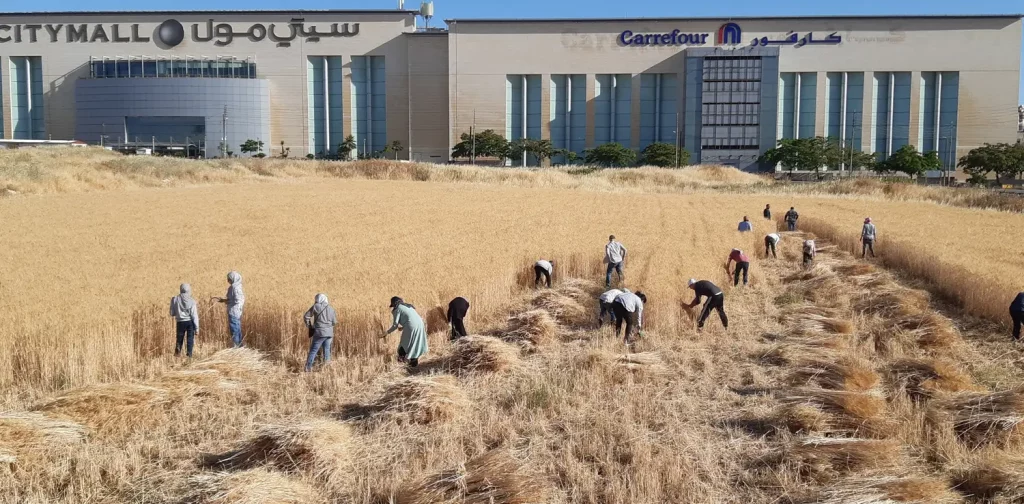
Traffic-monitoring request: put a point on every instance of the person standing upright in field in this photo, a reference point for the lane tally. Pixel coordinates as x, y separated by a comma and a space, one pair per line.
604, 303
320, 319
457, 310
810, 252
867, 238
413, 344
629, 308
715, 301
767, 212
742, 263
745, 225
1017, 315
791, 217
186, 317
235, 300
770, 241
614, 255
543, 268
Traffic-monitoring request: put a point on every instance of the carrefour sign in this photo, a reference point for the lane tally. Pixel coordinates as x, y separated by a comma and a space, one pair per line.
728, 34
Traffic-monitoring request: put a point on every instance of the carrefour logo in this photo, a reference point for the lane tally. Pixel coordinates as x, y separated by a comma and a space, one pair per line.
728, 34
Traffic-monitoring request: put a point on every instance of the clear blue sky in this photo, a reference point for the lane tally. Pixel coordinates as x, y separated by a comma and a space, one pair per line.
569, 8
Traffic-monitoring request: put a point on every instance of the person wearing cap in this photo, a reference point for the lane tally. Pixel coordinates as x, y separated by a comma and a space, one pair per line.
715, 301
543, 269
413, 343
742, 263
457, 310
235, 301
614, 255
320, 320
1017, 315
867, 238
604, 303
186, 317
791, 217
745, 225
770, 241
767, 212
629, 308
810, 252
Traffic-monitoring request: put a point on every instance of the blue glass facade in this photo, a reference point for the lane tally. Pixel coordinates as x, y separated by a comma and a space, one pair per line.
844, 108
658, 108
938, 114
797, 101
135, 67
369, 104
522, 109
568, 113
325, 104
891, 113
613, 95
28, 120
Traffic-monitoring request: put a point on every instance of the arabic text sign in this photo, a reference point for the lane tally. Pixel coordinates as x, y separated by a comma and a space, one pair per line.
795, 40
170, 33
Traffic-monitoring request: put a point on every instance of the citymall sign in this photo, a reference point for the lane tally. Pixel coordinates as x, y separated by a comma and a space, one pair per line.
728, 34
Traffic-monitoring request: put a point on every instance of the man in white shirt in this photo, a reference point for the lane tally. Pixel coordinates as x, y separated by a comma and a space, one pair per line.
614, 254
629, 308
770, 241
605, 304
543, 268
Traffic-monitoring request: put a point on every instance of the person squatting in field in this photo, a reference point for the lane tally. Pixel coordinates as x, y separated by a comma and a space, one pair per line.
715, 301
629, 308
604, 303
457, 310
1017, 315
614, 255
810, 252
867, 238
543, 269
742, 263
186, 317
791, 217
235, 300
320, 320
770, 241
413, 343
745, 225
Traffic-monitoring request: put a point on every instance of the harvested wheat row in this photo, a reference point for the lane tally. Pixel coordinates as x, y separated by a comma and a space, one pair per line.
979, 419
535, 328
319, 448
789, 354
30, 430
924, 378
562, 307
236, 363
846, 373
194, 382
889, 490
483, 354
492, 478
809, 323
833, 412
997, 477
825, 458
893, 301
583, 291
110, 406
257, 486
421, 400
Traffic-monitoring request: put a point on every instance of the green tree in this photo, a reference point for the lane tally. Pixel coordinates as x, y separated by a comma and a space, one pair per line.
487, 144
346, 147
569, 156
907, 160
663, 155
251, 146
540, 149
609, 155
1003, 159
839, 154
395, 147
804, 154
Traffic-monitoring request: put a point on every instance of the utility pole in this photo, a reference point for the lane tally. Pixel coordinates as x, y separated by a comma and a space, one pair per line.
224, 133
472, 133
677, 139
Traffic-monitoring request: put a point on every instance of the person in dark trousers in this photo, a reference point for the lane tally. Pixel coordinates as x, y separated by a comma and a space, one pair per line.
457, 310
867, 238
742, 264
614, 255
629, 308
715, 301
186, 319
605, 305
791, 217
320, 319
770, 241
1017, 314
543, 269
745, 225
767, 212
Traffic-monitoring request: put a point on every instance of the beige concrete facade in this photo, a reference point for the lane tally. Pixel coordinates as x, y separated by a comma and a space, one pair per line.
440, 83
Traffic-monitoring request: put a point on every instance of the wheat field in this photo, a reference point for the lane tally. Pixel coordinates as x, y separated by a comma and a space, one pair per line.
839, 384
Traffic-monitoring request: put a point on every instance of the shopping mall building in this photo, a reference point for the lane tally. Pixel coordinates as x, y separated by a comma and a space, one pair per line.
725, 89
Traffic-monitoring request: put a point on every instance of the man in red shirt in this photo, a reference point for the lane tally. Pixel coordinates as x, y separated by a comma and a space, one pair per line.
742, 263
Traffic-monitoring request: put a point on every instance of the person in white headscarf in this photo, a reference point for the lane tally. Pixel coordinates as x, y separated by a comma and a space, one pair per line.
235, 300
186, 318
320, 320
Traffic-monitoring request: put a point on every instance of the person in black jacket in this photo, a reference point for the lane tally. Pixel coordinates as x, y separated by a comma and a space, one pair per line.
1017, 314
457, 310
768, 212
715, 301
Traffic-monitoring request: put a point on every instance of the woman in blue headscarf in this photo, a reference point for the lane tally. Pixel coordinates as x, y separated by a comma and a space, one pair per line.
413, 344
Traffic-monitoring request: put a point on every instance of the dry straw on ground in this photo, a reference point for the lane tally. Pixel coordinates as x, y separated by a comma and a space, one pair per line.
483, 354
256, 486
848, 373
534, 329
421, 400
926, 377
889, 490
996, 477
834, 412
982, 419
824, 459
495, 477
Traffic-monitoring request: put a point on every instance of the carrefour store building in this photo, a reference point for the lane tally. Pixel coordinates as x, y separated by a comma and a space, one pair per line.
725, 89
